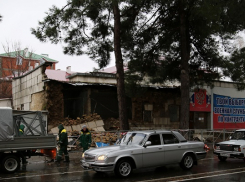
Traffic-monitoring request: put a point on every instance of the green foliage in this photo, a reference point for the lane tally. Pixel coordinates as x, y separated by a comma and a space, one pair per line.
235, 68
133, 87
210, 25
87, 27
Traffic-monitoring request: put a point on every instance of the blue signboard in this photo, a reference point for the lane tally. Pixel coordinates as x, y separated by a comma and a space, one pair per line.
229, 111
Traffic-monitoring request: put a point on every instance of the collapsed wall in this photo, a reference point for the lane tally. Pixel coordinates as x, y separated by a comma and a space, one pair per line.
55, 102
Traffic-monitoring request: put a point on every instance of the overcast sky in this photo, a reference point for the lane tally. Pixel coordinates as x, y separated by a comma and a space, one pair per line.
19, 16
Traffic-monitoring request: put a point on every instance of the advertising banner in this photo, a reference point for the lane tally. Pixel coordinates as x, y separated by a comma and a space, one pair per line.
228, 112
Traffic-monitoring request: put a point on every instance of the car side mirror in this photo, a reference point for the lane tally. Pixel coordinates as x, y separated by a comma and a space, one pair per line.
229, 137
148, 143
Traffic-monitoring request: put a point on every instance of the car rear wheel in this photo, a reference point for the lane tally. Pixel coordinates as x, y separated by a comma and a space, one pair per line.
10, 164
187, 162
221, 158
123, 168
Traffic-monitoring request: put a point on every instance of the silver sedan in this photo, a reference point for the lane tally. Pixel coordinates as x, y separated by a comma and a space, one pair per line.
141, 149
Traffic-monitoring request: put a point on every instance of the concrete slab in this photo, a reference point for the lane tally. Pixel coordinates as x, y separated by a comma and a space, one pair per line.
55, 130
100, 128
99, 123
68, 128
91, 124
76, 127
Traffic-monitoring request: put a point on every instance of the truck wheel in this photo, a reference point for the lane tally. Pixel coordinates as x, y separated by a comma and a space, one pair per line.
221, 158
10, 164
123, 168
187, 162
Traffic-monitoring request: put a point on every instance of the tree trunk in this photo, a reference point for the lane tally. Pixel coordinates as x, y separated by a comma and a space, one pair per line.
120, 70
184, 75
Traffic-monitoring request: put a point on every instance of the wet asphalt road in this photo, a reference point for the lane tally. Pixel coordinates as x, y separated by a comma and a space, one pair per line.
208, 170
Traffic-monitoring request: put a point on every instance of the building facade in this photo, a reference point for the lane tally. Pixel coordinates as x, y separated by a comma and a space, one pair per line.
15, 64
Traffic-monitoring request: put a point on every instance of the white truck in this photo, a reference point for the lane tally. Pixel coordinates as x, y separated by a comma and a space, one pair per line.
13, 147
234, 148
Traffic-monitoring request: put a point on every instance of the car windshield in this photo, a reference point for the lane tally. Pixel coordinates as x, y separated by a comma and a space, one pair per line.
133, 139
238, 135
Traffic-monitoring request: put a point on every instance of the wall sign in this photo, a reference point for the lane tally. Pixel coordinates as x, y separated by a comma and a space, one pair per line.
200, 101
228, 112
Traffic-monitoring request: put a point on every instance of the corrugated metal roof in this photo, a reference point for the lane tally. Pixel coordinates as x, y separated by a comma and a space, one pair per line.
57, 75
28, 55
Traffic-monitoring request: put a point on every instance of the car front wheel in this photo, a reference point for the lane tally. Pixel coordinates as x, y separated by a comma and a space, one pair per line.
187, 162
123, 168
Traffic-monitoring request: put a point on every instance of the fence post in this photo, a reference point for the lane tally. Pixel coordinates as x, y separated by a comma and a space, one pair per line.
223, 134
213, 137
202, 135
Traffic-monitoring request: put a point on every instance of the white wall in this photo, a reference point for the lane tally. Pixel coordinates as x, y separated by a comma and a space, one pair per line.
5, 103
225, 89
24, 87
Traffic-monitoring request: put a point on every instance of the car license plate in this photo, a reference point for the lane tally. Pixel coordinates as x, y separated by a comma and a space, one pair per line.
225, 155
86, 164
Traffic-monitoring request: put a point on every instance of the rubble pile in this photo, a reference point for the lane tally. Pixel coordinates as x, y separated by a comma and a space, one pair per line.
112, 124
105, 137
83, 119
74, 126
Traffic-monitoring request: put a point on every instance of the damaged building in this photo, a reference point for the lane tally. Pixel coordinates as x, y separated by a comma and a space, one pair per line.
65, 94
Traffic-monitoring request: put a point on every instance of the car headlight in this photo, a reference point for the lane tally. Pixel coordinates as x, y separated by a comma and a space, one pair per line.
237, 149
101, 157
217, 147
83, 155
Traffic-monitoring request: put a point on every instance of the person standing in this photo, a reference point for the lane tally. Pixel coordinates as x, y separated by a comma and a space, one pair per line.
22, 153
63, 142
85, 138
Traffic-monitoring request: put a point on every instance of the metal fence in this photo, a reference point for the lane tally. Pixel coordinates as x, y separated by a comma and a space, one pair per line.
209, 137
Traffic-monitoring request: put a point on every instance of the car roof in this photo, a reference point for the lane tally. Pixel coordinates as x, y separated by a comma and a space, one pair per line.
241, 130
153, 131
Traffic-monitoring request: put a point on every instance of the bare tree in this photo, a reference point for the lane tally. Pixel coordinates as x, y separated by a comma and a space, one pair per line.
17, 60
14, 63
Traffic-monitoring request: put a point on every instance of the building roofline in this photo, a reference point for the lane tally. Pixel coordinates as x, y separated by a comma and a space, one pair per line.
29, 72
33, 57
93, 74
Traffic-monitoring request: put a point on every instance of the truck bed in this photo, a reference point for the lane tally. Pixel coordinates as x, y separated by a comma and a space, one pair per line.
28, 143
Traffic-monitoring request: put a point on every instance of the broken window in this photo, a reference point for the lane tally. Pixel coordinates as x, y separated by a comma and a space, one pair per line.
147, 116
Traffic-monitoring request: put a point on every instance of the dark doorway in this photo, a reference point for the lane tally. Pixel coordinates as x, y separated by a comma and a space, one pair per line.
199, 120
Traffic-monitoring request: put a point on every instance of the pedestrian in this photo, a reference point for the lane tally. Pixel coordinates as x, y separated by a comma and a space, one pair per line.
21, 130
85, 138
63, 142
22, 153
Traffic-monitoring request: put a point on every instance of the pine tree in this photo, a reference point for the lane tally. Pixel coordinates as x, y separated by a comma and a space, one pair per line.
96, 28
187, 35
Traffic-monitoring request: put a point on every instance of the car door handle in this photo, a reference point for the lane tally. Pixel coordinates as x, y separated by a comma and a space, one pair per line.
160, 148
179, 146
